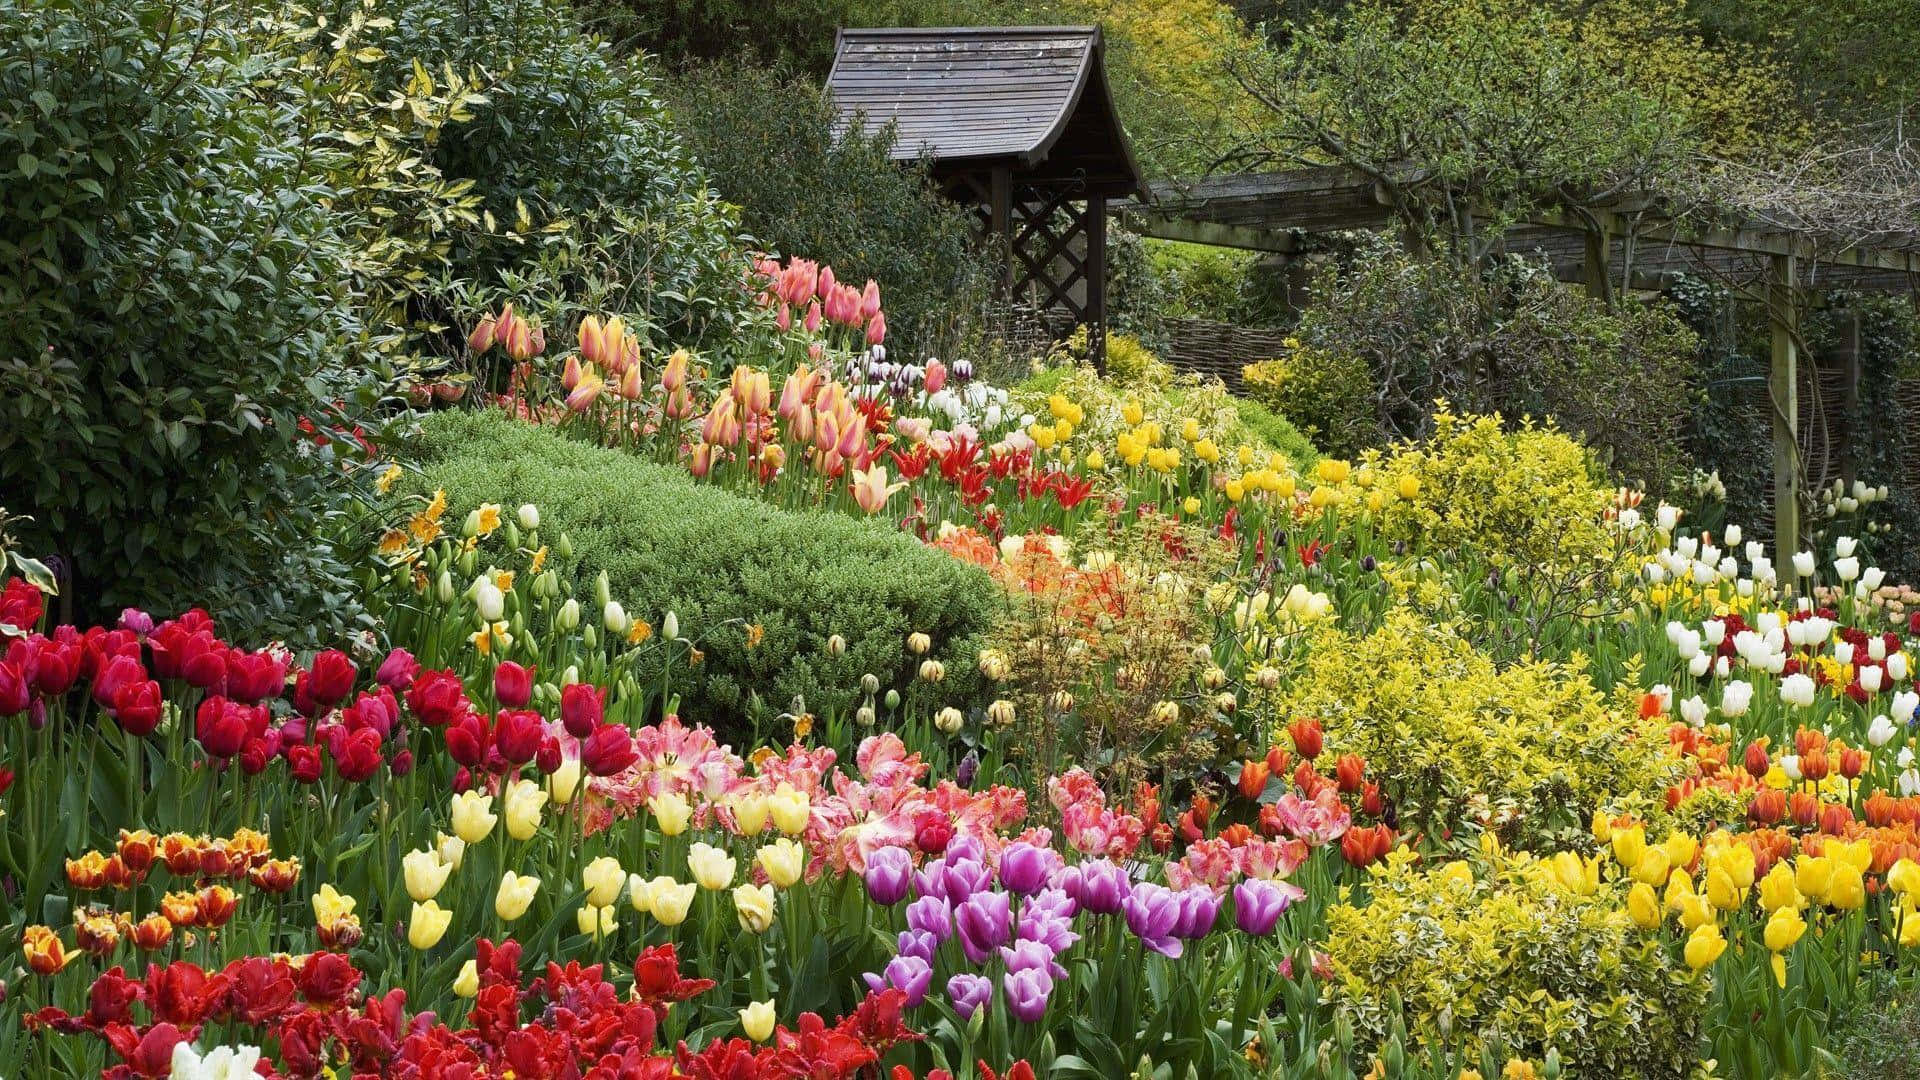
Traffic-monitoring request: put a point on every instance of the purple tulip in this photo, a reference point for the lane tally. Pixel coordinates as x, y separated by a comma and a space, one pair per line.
1097, 886
1152, 911
1023, 868
961, 878
1027, 992
984, 923
918, 943
1199, 910
965, 846
968, 992
969, 766
908, 973
398, 670
1258, 905
889, 875
1031, 954
137, 621
1048, 919
932, 915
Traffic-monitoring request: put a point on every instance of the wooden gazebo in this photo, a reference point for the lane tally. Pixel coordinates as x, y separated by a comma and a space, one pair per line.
1018, 124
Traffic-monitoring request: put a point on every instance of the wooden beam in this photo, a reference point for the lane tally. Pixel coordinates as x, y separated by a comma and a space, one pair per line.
1212, 234
1096, 272
1783, 392
1000, 222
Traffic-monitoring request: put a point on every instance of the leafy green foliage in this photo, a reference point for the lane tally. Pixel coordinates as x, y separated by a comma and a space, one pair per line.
1510, 339
1329, 394
722, 562
179, 306
768, 141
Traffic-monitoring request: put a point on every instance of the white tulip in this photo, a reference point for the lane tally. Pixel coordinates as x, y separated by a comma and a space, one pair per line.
529, 516
1843, 546
1872, 578
1687, 644
614, 618
1790, 764
1876, 648
1797, 689
1898, 667
1735, 697
1732, 537
1870, 678
1910, 782
1668, 517
1756, 551
1904, 704
488, 598
1655, 573
1843, 651
1715, 631
1722, 668
1694, 711
1848, 568
1803, 563
1687, 546
1699, 664
1881, 731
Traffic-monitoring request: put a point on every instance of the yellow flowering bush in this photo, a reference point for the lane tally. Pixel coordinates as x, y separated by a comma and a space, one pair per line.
1529, 750
1517, 954
1529, 496
1327, 393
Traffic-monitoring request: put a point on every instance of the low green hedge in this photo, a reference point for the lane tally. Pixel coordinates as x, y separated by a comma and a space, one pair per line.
668, 543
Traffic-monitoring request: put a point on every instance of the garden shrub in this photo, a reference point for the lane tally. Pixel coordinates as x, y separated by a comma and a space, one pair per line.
769, 142
1262, 426
721, 561
1526, 497
1326, 393
1528, 750
1509, 338
1513, 956
179, 307
539, 164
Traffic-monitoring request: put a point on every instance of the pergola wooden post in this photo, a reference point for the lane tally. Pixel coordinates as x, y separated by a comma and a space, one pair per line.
1017, 124
1783, 393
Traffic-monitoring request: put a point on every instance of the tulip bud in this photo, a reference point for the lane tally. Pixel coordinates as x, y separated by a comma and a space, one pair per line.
567, 619
836, 645
670, 627
870, 683
892, 699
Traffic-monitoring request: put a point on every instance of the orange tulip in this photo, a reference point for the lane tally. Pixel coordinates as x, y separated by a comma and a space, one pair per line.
217, 904
871, 490
137, 849
1253, 778
275, 875
89, 871
152, 932
45, 954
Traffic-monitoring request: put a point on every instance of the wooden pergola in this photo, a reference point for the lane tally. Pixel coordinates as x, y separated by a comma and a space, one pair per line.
1017, 124
1609, 249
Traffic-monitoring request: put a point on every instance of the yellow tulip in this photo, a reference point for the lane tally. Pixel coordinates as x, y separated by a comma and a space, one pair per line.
1848, 889
1857, 853
1243, 456
1284, 487
1720, 890
1737, 860
425, 874
473, 816
330, 905
1784, 927
1096, 461
1780, 890
668, 900
515, 896
1679, 888
750, 813
1235, 490
1909, 924
1704, 946
1643, 907
1653, 866
1629, 844
1813, 875
603, 878
671, 812
596, 920
783, 860
1206, 451
450, 849
521, 806
1190, 430
1190, 506
712, 868
1132, 413
467, 983
790, 810
1602, 826
1903, 877
428, 924
1681, 849
1695, 912
757, 1021
754, 905
1579, 876
565, 781
1408, 486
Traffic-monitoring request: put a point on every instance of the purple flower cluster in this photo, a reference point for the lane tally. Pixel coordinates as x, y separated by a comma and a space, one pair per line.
1023, 911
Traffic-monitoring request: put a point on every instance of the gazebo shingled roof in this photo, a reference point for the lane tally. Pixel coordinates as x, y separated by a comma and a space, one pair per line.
1018, 124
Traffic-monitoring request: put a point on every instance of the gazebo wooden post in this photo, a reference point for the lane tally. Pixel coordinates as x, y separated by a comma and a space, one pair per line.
1096, 274
1783, 392
1000, 224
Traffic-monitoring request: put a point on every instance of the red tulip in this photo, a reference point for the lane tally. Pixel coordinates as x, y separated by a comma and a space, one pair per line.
608, 751
398, 670
512, 685
222, 726
20, 605
548, 758
438, 698
15, 694
1755, 760
148, 1053
357, 756
303, 761
1307, 738
115, 673
255, 677
136, 707
1350, 770
331, 678
467, 740
1768, 807
581, 709
516, 734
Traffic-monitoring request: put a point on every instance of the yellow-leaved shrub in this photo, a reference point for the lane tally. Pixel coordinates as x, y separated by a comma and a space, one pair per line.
1529, 496
1326, 393
1510, 954
1529, 750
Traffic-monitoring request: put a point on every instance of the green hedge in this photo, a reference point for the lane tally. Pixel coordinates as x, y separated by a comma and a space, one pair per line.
710, 556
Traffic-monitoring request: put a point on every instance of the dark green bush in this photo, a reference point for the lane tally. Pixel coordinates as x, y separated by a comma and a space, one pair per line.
178, 305
768, 142
712, 557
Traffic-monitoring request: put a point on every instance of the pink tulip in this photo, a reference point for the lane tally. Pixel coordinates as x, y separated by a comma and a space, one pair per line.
674, 376
871, 490
571, 374
583, 394
783, 321
853, 437
701, 462
812, 322
826, 280
592, 341
482, 337
798, 390
936, 371
870, 300
632, 387
877, 329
